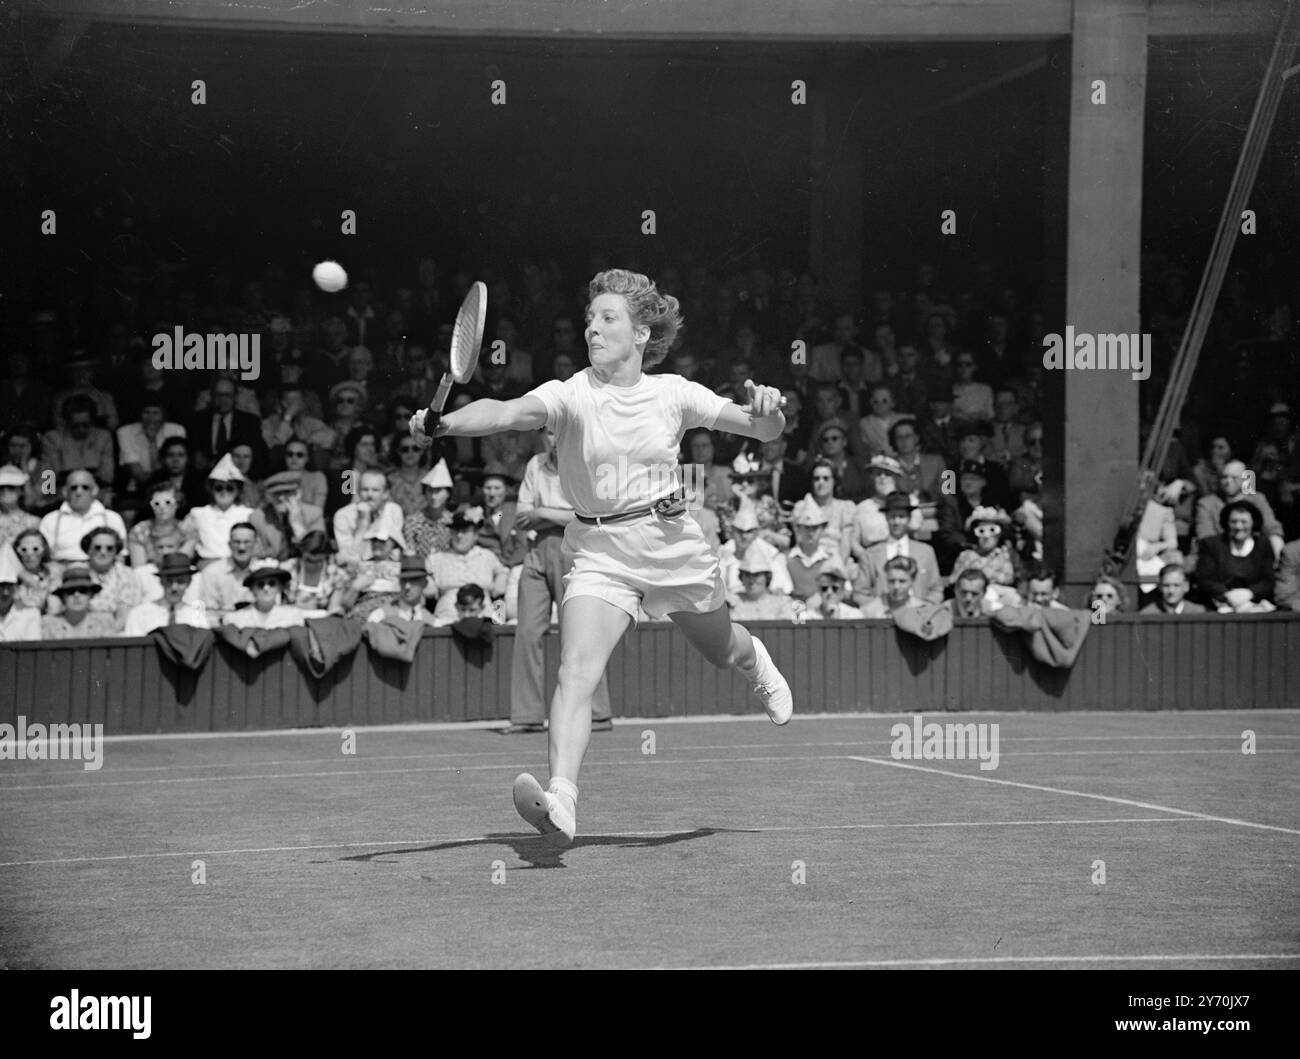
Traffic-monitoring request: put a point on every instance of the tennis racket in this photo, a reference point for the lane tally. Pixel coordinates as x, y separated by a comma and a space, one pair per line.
466, 342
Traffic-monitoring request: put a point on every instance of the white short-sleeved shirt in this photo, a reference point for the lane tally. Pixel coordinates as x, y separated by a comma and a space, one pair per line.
618, 445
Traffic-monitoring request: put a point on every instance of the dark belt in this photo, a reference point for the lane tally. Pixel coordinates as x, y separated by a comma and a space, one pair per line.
669, 506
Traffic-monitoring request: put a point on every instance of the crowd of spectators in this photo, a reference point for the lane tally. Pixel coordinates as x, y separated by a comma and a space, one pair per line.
910, 470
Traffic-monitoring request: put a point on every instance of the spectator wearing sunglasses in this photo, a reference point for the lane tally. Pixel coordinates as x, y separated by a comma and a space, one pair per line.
313, 487
76, 620
404, 487
213, 521
37, 576
119, 588
971, 399
80, 512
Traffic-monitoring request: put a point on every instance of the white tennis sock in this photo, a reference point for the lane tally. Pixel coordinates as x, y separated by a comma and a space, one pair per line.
565, 788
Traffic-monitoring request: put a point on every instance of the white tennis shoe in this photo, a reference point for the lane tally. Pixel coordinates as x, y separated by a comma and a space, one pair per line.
545, 811
770, 687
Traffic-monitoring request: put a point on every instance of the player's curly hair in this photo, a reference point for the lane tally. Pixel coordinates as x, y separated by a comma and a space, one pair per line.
645, 305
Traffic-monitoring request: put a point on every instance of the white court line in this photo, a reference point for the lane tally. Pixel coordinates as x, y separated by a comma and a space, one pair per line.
969, 961
857, 715
1077, 794
484, 840
1007, 741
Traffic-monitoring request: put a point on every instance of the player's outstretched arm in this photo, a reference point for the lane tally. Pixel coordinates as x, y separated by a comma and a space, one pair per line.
480, 418
762, 418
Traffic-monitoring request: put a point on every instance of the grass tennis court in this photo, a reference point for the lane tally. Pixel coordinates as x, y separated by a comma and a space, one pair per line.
685, 858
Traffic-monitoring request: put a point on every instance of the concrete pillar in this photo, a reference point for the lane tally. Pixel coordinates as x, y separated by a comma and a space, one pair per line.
1102, 257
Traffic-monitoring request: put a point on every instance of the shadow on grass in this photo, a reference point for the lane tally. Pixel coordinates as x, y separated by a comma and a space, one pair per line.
536, 852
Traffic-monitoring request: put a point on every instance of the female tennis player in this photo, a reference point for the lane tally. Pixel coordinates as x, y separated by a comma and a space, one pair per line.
632, 544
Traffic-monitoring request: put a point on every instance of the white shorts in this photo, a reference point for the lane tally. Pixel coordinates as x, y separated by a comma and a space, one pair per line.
659, 565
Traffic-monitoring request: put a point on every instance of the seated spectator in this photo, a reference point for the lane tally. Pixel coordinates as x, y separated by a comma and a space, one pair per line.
1286, 593
370, 506
869, 523
179, 472
1110, 593
163, 534
1209, 509
714, 478
744, 537
405, 483
992, 554
873, 429
971, 399
347, 401
837, 535
831, 448
1234, 571
81, 370
245, 397
23, 398
953, 512
831, 602
1209, 469
22, 450
213, 522
221, 426
921, 472
754, 601
376, 580
292, 426
1156, 543
13, 519
176, 573
1042, 589
266, 581
409, 606
37, 574
75, 620
471, 606
16, 623
283, 519
825, 360
80, 512
784, 479
860, 369
119, 586
1008, 441
1025, 472
318, 584
466, 563
399, 430
220, 587
1171, 597
899, 583
245, 458
799, 425
970, 596
909, 387
829, 410
362, 449
313, 489
428, 529
804, 561
939, 432
972, 447
139, 446
899, 515
749, 486
79, 445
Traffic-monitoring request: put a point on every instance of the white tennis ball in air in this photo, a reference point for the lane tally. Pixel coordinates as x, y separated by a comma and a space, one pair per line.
329, 276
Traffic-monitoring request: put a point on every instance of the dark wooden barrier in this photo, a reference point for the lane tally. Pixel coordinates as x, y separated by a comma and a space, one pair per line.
1193, 663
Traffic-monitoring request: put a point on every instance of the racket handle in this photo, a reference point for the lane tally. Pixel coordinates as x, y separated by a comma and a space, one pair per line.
439, 401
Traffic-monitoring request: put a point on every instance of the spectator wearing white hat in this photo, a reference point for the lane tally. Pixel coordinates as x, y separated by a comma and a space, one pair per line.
80, 512
804, 561
750, 484
213, 521
13, 519
428, 529
831, 602
16, 623
744, 535
755, 601
869, 523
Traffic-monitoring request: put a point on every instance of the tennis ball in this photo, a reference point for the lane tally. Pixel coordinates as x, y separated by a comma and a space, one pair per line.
329, 276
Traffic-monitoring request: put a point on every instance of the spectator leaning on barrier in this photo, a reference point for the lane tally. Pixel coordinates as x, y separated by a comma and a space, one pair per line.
1171, 594
80, 512
1042, 589
900, 580
830, 602
16, 623
1111, 594
1234, 571
75, 620
13, 519
176, 573
1209, 509
267, 582
413, 579
970, 595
